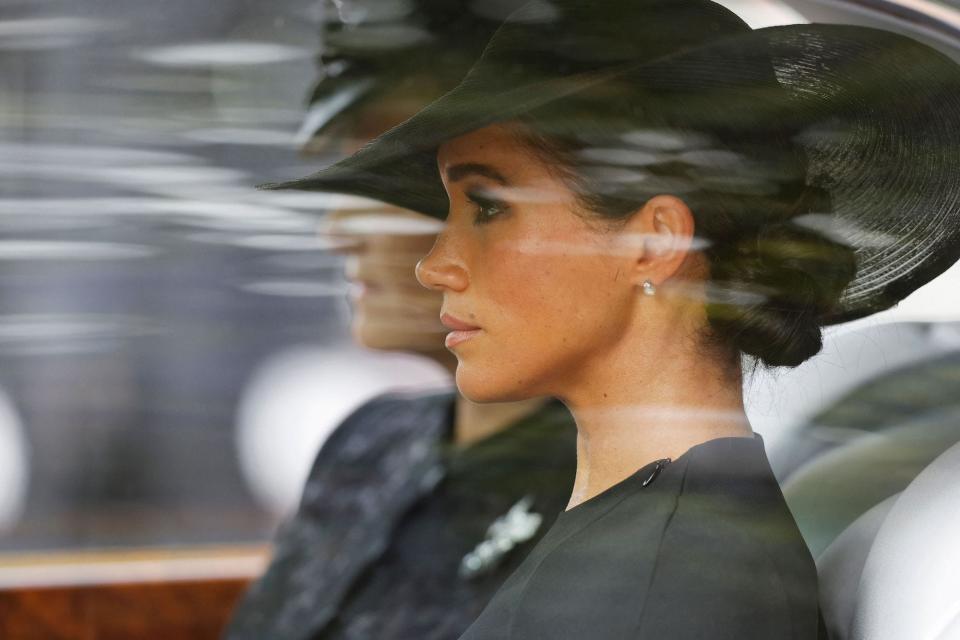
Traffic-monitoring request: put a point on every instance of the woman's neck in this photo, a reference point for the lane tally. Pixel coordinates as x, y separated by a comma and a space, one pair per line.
628, 421
474, 422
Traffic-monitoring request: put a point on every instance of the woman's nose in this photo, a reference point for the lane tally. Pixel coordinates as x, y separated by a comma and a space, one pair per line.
440, 269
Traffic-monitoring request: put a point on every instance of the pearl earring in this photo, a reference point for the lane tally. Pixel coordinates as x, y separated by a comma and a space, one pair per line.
649, 288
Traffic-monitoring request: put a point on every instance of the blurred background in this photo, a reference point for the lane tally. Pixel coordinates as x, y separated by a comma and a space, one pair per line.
174, 344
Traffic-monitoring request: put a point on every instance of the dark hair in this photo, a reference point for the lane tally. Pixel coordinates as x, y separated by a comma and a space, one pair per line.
771, 275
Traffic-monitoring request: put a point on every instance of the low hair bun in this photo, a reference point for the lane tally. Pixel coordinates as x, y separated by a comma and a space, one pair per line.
769, 289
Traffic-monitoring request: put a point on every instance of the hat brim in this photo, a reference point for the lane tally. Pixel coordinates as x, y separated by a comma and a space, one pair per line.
887, 151
399, 167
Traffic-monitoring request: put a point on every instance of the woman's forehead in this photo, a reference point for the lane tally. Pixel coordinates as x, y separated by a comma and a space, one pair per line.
495, 153
490, 142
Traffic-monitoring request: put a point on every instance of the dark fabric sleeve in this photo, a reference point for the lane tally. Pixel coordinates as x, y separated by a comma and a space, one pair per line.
719, 577
299, 545
328, 459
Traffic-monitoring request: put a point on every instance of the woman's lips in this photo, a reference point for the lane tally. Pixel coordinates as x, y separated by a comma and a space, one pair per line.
456, 337
462, 331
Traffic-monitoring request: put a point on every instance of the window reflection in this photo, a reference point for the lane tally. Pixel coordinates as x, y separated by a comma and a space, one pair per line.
176, 345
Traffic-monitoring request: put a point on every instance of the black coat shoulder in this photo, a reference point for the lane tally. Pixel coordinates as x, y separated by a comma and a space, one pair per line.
705, 550
731, 563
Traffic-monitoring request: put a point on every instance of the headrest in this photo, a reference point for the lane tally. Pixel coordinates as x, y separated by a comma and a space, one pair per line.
840, 568
910, 587
831, 491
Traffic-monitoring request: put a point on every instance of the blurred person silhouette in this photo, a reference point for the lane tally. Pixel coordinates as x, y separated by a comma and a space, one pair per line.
417, 506
637, 196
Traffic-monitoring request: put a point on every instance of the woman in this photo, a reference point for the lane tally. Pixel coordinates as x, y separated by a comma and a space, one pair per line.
372, 544
637, 195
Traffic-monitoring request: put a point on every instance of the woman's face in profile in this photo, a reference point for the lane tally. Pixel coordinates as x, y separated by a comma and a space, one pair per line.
391, 311
542, 283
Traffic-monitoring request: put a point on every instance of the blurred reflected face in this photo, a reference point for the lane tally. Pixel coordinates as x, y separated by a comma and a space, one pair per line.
391, 311
533, 285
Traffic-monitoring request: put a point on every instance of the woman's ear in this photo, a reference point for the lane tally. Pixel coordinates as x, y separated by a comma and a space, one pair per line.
665, 228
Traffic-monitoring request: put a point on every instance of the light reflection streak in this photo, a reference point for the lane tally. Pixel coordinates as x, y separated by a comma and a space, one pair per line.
66, 155
626, 244
270, 242
844, 231
764, 13
125, 176
316, 201
165, 83
676, 414
236, 135
222, 54
53, 32
383, 224
296, 288
20, 250
59, 333
55, 25
230, 228
39, 119
257, 115
201, 209
31, 224
42, 43
288, 243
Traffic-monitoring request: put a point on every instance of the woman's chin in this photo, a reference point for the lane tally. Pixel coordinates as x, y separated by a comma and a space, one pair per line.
384, 337
484, 388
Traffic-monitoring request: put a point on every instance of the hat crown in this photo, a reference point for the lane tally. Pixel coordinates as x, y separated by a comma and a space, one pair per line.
546, 39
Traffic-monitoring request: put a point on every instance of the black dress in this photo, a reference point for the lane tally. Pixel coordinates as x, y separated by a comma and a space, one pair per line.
702, 547
389, 513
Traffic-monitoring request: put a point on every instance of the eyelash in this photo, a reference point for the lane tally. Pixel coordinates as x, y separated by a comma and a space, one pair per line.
485, 202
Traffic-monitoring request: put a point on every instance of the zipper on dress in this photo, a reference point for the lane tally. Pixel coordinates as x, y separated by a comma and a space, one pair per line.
660, 464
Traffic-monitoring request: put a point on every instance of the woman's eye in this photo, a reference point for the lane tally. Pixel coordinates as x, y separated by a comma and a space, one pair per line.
487, 207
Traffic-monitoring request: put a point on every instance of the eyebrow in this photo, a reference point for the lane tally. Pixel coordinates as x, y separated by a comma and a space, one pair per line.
461, 171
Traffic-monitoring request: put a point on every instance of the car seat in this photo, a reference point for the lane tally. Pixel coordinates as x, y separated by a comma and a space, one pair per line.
894, 574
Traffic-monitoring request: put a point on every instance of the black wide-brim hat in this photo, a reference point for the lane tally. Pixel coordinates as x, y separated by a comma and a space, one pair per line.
876, 115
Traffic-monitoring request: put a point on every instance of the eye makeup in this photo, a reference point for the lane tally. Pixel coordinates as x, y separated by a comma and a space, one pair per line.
486, 204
